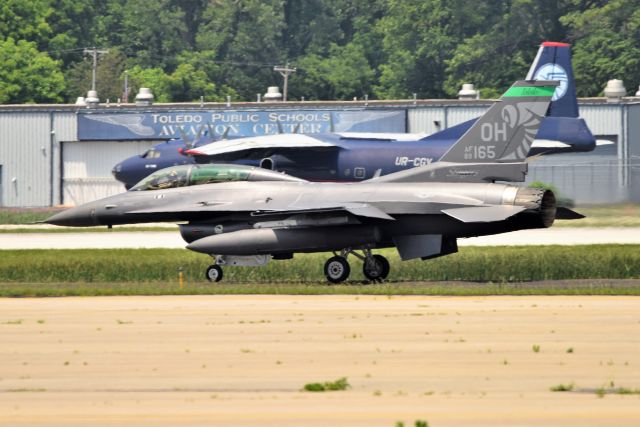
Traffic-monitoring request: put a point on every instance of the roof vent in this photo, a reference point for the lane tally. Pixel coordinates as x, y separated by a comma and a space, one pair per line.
273, 94
80, 101
468, 91
144, 97
92, 99
615, 90
638, 92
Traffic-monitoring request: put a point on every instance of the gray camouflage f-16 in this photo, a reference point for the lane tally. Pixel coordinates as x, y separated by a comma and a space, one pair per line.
243, 215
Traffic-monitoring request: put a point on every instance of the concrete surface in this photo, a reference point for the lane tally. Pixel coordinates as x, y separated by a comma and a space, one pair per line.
172, 239
242, 361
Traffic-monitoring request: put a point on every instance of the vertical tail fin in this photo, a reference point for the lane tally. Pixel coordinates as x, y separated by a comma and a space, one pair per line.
505, 133
553, 62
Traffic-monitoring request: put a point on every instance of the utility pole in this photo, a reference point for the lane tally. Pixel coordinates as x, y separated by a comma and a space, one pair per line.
284, 72
94, 51
125, 94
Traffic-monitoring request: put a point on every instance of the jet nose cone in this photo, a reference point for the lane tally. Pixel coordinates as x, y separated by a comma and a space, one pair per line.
74, 217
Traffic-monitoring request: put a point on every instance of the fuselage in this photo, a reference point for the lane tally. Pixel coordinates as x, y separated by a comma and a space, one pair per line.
414, 208
353, 159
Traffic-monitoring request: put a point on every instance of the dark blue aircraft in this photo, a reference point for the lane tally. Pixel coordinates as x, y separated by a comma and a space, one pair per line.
359, 156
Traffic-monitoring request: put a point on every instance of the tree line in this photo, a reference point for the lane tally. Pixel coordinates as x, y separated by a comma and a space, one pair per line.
386, 49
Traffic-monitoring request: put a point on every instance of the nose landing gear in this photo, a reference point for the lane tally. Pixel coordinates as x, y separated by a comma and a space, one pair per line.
375, 267
214, 273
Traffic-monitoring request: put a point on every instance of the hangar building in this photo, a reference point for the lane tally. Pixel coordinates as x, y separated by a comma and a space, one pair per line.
63, 154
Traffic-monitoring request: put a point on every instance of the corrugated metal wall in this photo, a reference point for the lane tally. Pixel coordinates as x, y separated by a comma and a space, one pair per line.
87, 168
603, 119
25, 156
425, 120
66, 129
434, 118
633, 140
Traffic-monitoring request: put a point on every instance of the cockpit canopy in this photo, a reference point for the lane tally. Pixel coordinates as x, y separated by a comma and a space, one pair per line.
187, 175
151, 154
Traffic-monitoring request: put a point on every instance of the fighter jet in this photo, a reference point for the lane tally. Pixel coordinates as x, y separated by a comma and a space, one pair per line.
357, 156
243, 215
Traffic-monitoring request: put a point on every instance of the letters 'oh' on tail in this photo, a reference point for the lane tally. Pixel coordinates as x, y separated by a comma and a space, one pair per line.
553, 62
505, 133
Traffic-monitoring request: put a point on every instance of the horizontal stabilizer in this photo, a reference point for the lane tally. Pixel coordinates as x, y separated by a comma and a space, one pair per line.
484, 213
546, 143
282, 141
566, 213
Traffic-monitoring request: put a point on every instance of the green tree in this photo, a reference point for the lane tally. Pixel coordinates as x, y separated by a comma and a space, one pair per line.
73, 28
418, 38
151, 34
345, 74
246, 38
28, 76
25, 20
311, 26
607, 44
501, 52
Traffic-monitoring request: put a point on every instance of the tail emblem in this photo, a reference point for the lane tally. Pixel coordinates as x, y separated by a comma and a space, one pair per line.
520, 116
553, 71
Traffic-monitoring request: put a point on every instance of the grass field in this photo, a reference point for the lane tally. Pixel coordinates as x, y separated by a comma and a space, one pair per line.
598, 269
587, 287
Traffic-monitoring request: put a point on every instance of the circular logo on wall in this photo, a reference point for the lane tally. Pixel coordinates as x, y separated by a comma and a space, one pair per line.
553, 71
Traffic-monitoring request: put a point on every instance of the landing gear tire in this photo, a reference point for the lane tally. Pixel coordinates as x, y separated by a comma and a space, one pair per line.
337, 269
376, 269
214, 273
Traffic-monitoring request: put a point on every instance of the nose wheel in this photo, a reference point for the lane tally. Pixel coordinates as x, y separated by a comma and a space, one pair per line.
214, 273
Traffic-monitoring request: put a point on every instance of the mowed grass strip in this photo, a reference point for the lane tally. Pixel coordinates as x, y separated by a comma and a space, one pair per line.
155, 271
22, 290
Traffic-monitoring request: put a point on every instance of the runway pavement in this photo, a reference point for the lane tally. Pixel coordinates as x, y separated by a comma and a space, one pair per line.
243, 360
172, 239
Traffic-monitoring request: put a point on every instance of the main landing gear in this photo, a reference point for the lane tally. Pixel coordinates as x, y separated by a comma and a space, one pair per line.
375, 268
337, 269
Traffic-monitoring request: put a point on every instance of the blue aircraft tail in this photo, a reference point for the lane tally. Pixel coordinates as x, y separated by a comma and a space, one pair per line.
562, 130
553, 62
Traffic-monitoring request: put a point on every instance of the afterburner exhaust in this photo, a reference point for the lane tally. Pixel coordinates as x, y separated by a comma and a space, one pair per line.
540, 205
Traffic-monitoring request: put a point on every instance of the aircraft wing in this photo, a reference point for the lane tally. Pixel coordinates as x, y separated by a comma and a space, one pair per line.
383, 136
357, 209
262, 143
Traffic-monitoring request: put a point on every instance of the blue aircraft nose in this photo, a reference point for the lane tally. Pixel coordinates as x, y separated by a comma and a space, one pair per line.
116, 172
130, 171
81, 216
